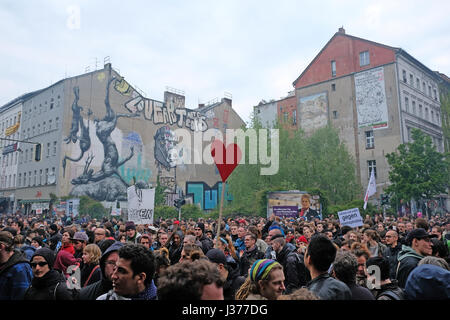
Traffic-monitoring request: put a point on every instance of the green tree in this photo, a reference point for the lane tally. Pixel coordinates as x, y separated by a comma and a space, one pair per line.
91, 207
418, 171
318, 162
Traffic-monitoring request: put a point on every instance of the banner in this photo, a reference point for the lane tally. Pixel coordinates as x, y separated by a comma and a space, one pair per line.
351, 218
141, 205
116, 212
286, 211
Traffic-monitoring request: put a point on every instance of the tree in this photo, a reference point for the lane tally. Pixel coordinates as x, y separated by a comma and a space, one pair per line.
317, 162
418, 170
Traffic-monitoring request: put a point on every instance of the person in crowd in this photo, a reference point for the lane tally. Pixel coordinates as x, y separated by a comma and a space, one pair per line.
132, 234
146, 241
99, 235
66, 243
264, 282
345, 267
132, 278
295, 272
383, 287
362, 255
175, 246
250, 255
79, 241
90, 271
15, 269
435, 261
37, 242
319, 256
428, 282
108, 263
239, 244
392, 250
229, 274
191, 280
418, 246
162, 262
47, 283
260, 244
19, 243
373, 242
206, 242
191, 252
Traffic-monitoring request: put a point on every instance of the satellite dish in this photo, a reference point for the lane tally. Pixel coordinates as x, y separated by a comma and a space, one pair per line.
51, 178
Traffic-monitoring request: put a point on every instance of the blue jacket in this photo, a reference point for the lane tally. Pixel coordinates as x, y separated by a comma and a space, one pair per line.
239, 245
15, 277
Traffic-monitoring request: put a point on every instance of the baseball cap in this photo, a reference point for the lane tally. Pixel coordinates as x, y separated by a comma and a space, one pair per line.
418, 233
216, 256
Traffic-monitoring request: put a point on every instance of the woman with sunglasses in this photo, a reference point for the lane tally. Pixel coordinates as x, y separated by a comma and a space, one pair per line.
47, 283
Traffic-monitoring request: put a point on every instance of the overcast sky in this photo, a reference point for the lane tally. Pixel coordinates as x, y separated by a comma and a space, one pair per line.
251, 49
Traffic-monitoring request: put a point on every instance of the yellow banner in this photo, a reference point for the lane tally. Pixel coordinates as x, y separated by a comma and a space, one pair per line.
11, 130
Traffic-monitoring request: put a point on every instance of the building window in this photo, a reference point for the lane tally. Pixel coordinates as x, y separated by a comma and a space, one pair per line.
406, 104
432, 116
333, 68
24, 179
418, 83
435, 94
364, 58
29, 178
294, 117
40, 177
285, 115
54, 148
372, 166
46, 176
414, 107
429, 91
19, 182
48, 149
333, 87
49, 124
420, 111
51, 106
411, 79
423, 87
56, 122
35, 177
370, 140
426, 113
43, 127
335, 114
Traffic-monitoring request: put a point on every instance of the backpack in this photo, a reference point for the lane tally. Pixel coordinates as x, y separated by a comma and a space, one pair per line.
391, 294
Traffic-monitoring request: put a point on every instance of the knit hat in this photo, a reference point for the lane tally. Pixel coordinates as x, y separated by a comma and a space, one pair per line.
130, 226
54, 227
201, 226
47, 254
261, 269
302, 239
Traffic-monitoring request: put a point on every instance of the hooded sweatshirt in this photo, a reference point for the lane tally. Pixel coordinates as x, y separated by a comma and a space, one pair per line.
15, 277
93, 291
408, 259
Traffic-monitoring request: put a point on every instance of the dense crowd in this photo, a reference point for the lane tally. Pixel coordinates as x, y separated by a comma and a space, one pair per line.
252, 258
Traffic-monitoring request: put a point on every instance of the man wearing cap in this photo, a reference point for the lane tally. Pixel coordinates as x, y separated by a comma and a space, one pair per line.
15, 270
230, 276
418, 246
79, 240
207, 243
48, 283
55, 237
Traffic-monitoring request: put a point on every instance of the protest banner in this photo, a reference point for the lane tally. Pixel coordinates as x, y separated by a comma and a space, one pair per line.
351, 218
286, 211
141, 205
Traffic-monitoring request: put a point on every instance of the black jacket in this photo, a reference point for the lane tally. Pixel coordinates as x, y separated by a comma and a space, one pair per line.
359, 292
295, 273
52, 286
391, 255
207, 243
86, 271
408, 259
233, 283
328, 288
389, 291
248, 258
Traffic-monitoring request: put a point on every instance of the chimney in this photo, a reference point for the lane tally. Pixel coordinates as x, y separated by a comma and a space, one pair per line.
107, 66
201, 105
341, 30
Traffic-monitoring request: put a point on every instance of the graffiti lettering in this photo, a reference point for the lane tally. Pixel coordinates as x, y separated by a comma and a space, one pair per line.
207, 197
141, 213
160, 113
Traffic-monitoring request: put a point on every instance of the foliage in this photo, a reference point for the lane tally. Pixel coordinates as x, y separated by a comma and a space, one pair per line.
160, 198
319, 162
191, 211
418, 171
91, 207
165, 212
359, 203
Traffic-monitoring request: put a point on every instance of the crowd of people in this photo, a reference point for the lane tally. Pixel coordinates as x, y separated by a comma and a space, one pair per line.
252, 258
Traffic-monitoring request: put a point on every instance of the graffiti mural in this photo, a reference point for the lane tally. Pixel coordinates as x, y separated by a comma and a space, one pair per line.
208, 198
106, 184
313, 113
135, 167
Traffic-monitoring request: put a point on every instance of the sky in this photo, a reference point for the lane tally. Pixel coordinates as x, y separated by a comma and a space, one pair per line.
253, 50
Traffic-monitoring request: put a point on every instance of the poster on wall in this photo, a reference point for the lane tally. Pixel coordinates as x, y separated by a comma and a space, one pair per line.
313, 112
370, 95
286, 211
281, 203
141, 205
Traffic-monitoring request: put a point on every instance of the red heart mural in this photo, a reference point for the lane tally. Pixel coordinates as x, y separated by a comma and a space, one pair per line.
219, 154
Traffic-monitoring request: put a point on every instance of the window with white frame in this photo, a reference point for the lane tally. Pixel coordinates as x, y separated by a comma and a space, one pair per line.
364, 59
333, 68
370, 140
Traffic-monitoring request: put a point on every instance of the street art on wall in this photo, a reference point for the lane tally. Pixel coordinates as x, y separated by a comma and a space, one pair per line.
159, 113
208, 198
106, 184
371, 99
313, 112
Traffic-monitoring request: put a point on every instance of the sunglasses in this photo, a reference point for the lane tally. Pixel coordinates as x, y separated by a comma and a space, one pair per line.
40, 264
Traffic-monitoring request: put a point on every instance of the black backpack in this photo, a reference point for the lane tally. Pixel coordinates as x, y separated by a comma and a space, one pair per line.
393, 294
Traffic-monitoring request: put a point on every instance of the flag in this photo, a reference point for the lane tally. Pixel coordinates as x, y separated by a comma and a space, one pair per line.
371, 188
